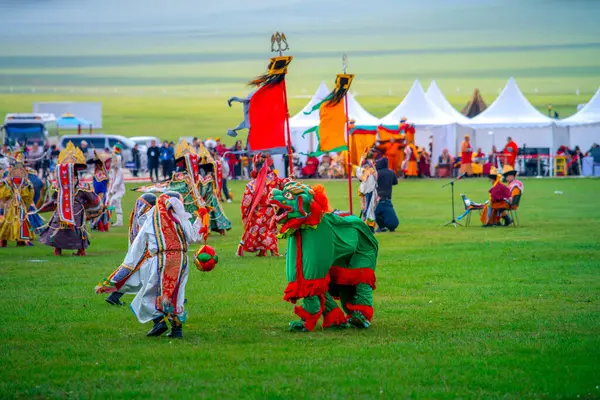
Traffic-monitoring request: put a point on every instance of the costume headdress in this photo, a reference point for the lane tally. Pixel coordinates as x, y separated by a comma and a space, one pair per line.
142, 205
509, 170
204, 156
72, 155
182, 149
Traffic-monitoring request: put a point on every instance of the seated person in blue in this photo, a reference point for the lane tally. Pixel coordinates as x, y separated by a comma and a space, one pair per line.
385, 215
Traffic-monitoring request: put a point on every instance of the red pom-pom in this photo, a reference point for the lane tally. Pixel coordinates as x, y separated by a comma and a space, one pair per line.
206, 258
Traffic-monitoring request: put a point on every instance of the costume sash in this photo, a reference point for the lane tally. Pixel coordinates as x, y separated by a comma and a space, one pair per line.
172, 257
66, 193
219, 176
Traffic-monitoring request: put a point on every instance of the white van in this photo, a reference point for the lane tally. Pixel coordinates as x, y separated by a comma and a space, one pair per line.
100, 142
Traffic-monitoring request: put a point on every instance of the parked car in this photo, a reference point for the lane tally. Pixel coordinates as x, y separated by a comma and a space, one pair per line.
100, 141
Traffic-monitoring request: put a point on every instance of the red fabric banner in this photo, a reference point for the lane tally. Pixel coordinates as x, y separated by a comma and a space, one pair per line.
267, 116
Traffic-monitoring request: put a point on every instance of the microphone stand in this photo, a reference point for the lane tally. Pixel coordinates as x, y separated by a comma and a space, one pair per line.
454, 222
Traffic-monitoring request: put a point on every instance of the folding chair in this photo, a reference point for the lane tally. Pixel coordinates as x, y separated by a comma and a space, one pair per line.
470, 206
512, 211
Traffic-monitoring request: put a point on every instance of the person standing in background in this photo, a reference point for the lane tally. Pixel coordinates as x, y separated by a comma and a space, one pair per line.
153, 160
225, 175
510, 152
171, 150
466, 157
135, 155
220, 148
34, 157
165, 160
385, 215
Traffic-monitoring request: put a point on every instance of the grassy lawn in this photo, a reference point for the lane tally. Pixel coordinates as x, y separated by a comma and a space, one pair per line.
459, 313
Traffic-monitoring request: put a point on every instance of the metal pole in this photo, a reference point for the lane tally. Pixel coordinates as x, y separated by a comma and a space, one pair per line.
348, 163
288, 133
538, 166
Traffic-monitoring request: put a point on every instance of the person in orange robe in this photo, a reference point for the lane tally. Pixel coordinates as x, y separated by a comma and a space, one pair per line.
391, 144
499, 202
411, 155
466, 157
510, 152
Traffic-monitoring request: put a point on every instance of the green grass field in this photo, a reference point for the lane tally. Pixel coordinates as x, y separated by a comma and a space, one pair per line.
495, 313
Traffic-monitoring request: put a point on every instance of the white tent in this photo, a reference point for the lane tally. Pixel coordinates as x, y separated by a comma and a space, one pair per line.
512, 115
584, 126
300, 122
361, 116
428, 118
437, 97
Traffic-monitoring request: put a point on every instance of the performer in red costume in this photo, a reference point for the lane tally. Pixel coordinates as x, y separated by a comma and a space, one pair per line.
510, 152
259, 234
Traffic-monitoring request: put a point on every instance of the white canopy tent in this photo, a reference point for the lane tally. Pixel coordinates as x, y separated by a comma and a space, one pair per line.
512, 115
437, 97
300, 122
428, 119
584, 126
361, 116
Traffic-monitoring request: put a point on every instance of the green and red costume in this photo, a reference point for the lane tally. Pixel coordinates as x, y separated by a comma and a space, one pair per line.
329, 256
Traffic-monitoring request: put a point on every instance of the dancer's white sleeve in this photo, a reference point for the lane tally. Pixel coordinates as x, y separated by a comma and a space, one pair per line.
192, 231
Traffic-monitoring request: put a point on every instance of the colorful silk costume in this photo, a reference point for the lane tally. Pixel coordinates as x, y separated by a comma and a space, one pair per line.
208, 186
72, 201
17, 192
163, 241
367, 190
185, 181
117, 187
466, 157
260, 235
499, 201
125, 279
328, 256
102, 165
411, 155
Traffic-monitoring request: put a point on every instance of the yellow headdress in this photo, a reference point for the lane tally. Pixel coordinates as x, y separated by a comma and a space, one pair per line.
182, 149
508, 170
204, 156
71, 155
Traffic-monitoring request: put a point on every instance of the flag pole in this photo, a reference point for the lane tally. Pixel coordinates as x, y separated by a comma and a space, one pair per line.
348, 163
281, 41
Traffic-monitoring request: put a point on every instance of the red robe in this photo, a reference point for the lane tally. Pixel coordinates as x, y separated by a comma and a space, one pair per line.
510, 152
312, 165
259, 234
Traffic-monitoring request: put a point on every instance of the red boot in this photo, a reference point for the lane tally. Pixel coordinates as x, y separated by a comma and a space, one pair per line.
80, 253
100, 226
57, 251
3, 243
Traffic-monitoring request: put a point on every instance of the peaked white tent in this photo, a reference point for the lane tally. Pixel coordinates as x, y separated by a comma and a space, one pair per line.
361, 116
512, 115
429, 120
300, 122
435, 95
584, 126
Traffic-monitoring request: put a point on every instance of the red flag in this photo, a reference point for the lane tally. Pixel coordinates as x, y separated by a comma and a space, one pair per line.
267, 115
